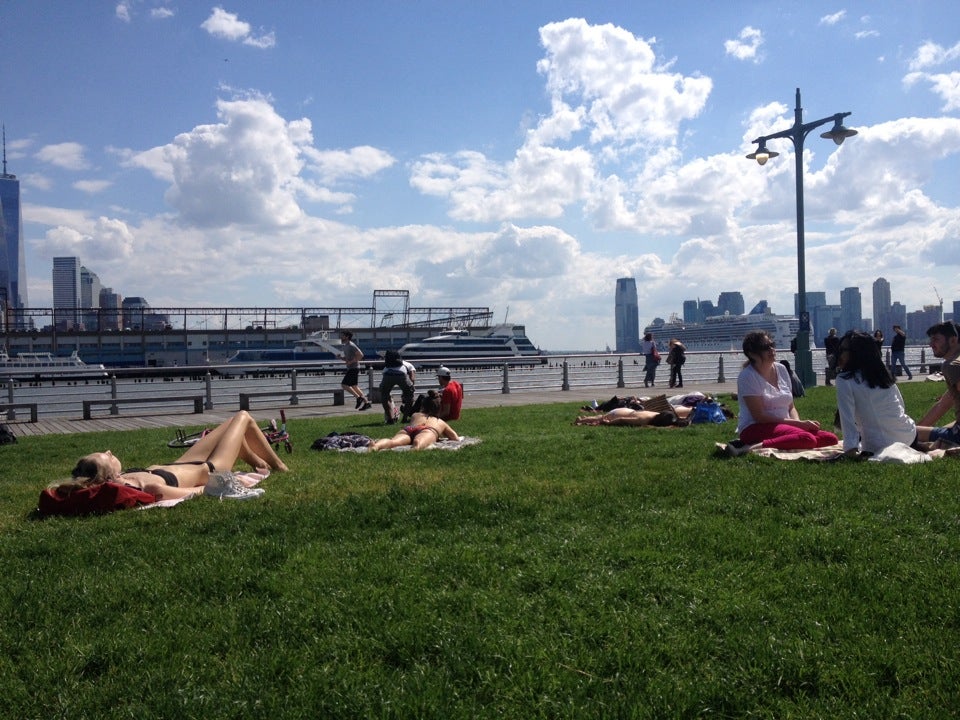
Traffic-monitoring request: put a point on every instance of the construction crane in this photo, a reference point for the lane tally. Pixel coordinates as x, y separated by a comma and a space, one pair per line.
940, 300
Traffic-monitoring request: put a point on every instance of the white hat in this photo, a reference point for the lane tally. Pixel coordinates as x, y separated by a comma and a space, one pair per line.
443, 371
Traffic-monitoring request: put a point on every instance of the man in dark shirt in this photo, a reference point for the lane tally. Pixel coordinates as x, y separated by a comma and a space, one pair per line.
831, 344
898, 352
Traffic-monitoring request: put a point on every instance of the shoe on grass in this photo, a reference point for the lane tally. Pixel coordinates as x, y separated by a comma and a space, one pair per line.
228, 485
736, 448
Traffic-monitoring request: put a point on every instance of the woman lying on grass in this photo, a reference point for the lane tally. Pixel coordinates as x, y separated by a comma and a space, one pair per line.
640, 418
425, 428
217, 451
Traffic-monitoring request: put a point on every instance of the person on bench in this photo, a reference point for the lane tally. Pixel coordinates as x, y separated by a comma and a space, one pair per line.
237, 438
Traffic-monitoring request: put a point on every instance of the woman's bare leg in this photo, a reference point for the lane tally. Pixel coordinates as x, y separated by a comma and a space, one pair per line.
238, 437
398, 440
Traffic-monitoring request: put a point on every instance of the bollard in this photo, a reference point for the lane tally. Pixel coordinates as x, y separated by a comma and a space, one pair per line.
923, 361
114, 410
566, 376
208, 405
506, 379
11, 413
373, 393
720, 377
620, 382
294, 400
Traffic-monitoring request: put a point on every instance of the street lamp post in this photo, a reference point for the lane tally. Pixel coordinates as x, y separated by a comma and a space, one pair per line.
797, 134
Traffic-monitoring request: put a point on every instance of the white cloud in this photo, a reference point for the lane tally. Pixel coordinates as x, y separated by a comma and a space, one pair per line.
92, 187
161, 13
249, 168
228, 26
68, 155
866, 34
746, 46
834, 18
930, 54
122, 11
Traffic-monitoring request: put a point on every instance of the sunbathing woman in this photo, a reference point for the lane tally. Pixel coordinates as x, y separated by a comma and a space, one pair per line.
218, 450
425, 428
639, 418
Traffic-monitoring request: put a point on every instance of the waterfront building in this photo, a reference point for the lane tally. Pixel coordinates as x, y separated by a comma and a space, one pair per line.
89, 297
111, 315
918, 321
881, 305
627, 316
730, 303
13, 269
851, 310
66, 292
691, 311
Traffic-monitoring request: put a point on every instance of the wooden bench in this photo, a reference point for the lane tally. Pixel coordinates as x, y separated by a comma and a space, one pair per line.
11, 408
294, 397
197, 401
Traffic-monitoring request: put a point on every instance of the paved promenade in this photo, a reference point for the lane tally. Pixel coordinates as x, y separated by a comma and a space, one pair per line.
580, 394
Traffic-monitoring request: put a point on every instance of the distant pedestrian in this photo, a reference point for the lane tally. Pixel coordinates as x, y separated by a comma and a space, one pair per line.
397, 372
831, 344
878, 339
898, 352
676, 357
648, 348
352, 355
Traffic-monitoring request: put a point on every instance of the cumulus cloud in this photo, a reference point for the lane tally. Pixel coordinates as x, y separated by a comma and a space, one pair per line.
944, 85
68, 155
161, 13
833, 18
228, 26
746, 46
249, 168
92, 187
122, 11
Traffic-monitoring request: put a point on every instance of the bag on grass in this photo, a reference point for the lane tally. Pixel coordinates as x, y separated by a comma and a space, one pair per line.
707, 411
6, 435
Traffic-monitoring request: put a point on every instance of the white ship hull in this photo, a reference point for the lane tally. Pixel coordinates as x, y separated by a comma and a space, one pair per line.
726, 332
47, 365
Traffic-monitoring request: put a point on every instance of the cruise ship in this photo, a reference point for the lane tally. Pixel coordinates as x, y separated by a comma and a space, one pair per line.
44, 365
504, 343
725, 332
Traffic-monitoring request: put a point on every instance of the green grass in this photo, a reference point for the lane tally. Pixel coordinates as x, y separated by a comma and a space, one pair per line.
552, 571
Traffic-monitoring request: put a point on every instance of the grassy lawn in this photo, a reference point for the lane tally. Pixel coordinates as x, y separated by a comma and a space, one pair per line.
552, 571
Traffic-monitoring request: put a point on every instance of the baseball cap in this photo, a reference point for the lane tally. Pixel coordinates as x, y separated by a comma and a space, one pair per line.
443, 371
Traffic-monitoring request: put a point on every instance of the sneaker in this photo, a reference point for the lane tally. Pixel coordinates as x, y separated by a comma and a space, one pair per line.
360, 402
366, 405
228, 485
273, 425
736, 448
594, 405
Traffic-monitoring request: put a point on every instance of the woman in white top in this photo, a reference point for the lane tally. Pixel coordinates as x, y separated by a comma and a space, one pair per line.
872, 415
768, 417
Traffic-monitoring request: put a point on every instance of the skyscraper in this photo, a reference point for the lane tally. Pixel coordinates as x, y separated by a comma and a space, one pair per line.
851, 310
627, 316
881, 305
66, 291
13, 269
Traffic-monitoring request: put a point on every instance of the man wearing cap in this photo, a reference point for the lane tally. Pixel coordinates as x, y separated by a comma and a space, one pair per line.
451, 395
944, 344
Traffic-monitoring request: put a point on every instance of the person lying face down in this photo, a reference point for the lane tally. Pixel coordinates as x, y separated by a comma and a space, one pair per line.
638, 418
237, 438
424, 430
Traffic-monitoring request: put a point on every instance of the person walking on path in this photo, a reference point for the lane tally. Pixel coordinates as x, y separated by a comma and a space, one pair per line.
352, 355
648, 348
676, 357
898, 352
831, 344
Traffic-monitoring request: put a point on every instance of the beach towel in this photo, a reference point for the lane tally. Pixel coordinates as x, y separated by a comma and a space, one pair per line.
441, 444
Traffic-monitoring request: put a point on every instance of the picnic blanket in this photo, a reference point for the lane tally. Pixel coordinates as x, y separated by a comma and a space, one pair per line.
441, 444
895, 453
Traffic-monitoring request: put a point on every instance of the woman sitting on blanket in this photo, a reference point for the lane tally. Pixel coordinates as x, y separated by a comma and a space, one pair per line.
640, 418
872, 414
768, 417
217, 451
425, 428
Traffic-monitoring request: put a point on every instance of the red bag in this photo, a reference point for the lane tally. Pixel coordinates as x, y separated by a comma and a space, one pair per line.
102, 498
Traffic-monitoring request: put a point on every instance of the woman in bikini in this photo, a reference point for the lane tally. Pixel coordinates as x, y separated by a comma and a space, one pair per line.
425, 428
217, 451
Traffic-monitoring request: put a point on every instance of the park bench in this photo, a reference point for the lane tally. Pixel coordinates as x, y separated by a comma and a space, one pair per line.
88, 405
11, 408
294, 396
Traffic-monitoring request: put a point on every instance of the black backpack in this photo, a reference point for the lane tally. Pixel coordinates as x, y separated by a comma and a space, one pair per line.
6, 435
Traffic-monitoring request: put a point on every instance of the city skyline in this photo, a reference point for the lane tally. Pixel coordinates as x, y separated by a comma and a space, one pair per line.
498, 154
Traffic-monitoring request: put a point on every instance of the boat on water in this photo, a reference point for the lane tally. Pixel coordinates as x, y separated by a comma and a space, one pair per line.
501, 344
315, 348
726, 332
38, 365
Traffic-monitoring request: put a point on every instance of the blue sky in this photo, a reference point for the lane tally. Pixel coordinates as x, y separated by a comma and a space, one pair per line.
519, 155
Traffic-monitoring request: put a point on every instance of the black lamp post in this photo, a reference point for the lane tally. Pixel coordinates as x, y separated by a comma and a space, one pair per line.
797, 134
